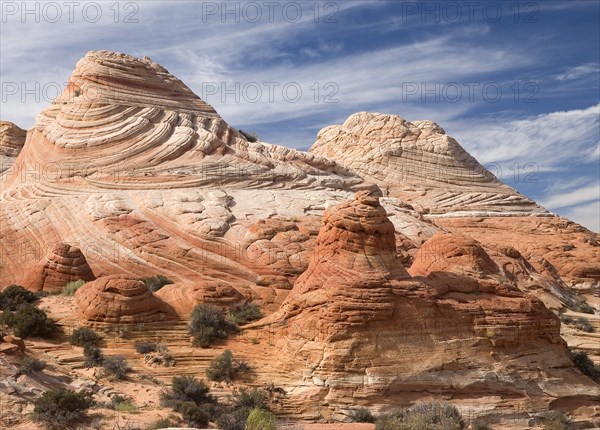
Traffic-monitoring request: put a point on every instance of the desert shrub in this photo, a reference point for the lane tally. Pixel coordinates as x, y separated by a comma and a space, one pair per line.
259, 419
244, 312
233, 419
222, 368
123, 404
362, 415
193, 414
83, 336
145, 347
116, 367
586, 365
27, 321
255, 398
481, 426
566, 319
554, 420
31, 365
72, 287
249, 137
425, 416
61, 409
207, 324
186, 389
584, 325
92, 355
156, 282
14, 295
579, 303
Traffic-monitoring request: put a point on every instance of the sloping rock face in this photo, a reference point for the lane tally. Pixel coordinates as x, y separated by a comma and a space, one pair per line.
12, 139
119, 299
65, 263
136, 168
419, 163
357, 329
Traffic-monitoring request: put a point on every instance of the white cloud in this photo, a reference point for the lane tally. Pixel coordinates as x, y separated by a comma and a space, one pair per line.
578, 72
547, 140
575, 197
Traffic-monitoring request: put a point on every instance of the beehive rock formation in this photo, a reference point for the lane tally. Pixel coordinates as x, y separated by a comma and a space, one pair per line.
12, 139
65, 263
418, 162
120, 299
357, 329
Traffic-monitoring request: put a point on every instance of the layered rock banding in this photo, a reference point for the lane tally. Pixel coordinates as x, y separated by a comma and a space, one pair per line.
65, 263
12, 139
362, 331
146, 177
120, 299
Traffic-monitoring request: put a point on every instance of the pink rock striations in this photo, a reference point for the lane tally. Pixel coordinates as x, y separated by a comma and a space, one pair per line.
357, 329
65, 263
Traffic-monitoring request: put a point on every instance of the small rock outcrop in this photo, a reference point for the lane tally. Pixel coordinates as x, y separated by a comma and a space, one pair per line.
12, 139
65, 263
120, 299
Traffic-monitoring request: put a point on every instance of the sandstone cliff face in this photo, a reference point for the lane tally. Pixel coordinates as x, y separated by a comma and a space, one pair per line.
357, 329
12, 139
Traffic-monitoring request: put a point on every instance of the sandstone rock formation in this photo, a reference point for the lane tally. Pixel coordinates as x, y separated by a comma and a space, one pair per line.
120, 299
357, 329
12, 139
419, 163
147, 179
65, 263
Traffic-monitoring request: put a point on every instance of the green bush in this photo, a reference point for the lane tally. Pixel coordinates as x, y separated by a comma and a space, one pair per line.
185, 389
61, 409
425, 416
93, 356
586, 365
222, 367
116, 367
123, 404
155, 283
259, 419
207, 324
256, 398
31, 365
27, 321
83, 336
233, 419
362, 415
193, 414
145, 347
584, 325
243, 313
554, 420
14, 295
582, 306
72, 287
481, 426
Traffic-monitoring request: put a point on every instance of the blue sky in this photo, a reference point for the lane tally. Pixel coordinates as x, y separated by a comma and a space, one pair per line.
517, 87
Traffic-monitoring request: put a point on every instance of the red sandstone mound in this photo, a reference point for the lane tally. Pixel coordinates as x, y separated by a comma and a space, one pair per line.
65, 263
356, 329
120, 299
183, 298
